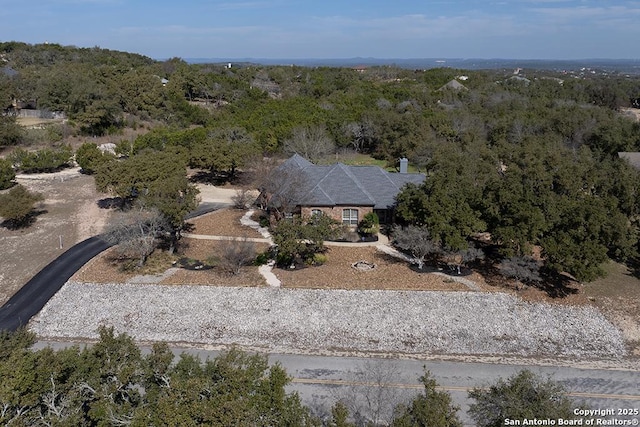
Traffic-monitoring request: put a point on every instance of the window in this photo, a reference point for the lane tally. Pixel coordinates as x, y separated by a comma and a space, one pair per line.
350, 216
316, 212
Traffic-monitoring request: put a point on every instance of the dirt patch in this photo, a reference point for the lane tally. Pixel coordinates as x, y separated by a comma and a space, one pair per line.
68, 215
106, 269
36, 121
618, 298
224, 222
631, 112
390, 273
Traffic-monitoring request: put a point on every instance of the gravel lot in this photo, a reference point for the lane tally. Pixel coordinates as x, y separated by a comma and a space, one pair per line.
292, 320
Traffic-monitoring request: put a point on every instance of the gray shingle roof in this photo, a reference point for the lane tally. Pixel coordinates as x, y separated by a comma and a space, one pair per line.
339, 184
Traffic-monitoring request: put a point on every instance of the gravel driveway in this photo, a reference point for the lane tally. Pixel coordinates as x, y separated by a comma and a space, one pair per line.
291, 320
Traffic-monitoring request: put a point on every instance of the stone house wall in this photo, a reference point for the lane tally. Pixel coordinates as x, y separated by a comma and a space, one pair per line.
335, 212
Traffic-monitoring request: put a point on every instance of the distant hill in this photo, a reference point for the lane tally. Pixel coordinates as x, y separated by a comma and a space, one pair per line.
618, 66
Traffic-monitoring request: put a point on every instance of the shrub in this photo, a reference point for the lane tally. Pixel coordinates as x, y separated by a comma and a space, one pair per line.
89, 157
7, 174
45, 160
16, 206
242, 199
264, 221
262, 258
370, 224
236, 254
318, 259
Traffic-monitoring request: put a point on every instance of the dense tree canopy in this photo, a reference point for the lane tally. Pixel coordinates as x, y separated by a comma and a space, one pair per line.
112, 383
153, 180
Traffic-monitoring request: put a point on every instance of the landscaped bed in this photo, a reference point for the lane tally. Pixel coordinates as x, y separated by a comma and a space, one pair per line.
389, 273
337, 273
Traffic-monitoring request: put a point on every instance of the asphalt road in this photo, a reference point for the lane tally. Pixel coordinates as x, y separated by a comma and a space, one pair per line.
30, 299
33, 296
319, 380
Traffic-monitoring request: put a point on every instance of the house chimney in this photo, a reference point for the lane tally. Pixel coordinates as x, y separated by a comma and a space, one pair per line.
404, 165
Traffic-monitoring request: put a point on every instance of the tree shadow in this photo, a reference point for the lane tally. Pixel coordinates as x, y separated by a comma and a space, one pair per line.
556, 285
111, 203
442, 268
21, 223
208, 177
633, 264
219, 177
193, 264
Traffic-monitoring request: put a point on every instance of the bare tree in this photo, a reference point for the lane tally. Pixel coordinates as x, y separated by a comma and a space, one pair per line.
312, 143
283, 190
242, 198
236, 254
361, 134
371, 395
136, 233
455, 260
521, 268
415, 240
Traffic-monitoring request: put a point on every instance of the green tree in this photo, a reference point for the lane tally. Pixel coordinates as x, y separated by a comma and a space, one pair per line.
299, 239
449, 202
174, 198
16, 206
7, 174
521, 396
11, 133
156, 180
340, 416
224, 150
111, 383
431, 408
44, 160
90, 157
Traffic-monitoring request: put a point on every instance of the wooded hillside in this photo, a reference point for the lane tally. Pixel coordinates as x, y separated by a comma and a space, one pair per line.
530, 158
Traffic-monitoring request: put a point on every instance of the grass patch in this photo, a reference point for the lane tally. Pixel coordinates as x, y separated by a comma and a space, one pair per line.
360, 159
354, 159
618, 283
157, 263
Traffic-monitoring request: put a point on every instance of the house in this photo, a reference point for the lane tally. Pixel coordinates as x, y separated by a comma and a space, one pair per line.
345, 193
453, 85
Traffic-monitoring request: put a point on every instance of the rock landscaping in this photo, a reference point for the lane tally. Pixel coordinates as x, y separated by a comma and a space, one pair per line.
306, 320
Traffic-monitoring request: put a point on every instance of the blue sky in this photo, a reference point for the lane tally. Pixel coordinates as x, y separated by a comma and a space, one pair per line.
519, 29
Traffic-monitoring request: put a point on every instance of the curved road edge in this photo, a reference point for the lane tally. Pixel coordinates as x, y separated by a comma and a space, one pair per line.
33, 296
